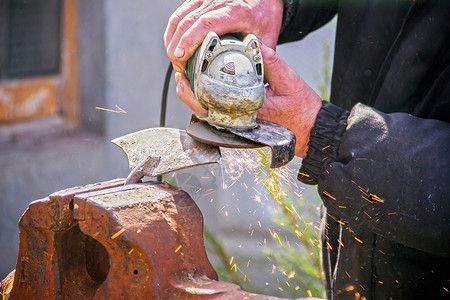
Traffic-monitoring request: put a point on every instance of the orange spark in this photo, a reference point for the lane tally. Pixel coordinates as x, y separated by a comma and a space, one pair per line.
328, 194
376, 198
358, 240
340, 222
178, 248
117, 233
234, 267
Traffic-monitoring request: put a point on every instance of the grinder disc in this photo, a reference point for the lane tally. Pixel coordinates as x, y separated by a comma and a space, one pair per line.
205, 133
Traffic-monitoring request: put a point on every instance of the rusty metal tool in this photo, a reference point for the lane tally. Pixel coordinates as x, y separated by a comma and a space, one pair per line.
115, 241
157, 151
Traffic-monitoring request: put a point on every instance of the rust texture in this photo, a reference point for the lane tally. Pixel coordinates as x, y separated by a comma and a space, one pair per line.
115, 241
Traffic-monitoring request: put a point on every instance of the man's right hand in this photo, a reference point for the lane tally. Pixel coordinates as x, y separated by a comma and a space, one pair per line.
192, 21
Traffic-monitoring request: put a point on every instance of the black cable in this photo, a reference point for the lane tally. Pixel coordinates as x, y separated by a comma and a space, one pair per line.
162, 118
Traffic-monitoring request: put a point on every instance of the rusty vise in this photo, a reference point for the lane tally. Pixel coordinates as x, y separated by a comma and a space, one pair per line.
115, 241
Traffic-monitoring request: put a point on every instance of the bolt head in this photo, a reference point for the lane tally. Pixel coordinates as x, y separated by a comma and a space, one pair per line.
209, 55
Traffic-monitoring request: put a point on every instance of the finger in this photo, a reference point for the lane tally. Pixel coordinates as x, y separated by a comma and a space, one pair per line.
185, 94
218, 20
192, 31
277, 73
184, 9
178, 54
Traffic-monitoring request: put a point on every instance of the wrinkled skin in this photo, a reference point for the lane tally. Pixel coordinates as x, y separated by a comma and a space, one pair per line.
289, 101
190, 23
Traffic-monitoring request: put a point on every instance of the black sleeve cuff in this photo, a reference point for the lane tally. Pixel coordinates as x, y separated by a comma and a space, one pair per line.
288, 14
324, 142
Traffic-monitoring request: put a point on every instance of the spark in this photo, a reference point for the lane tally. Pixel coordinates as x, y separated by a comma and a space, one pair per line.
376, 198
392, 213
340, 222
274, 268
358, 240
231, 260
326, 147
328, 194
178, 248
291, 274
234, 267
131, 251
349, 277
118, 111
445, 289
117, 233
309, 293
350, 287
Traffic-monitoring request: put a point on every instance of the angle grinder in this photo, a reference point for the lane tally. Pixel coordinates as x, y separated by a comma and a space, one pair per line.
226, 76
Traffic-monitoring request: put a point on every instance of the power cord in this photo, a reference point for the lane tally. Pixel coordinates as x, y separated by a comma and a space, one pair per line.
165, 92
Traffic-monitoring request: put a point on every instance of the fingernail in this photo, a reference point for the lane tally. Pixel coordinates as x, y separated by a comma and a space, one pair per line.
179, 52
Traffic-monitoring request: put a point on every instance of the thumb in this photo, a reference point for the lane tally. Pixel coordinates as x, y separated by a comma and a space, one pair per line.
277, 73
185, 94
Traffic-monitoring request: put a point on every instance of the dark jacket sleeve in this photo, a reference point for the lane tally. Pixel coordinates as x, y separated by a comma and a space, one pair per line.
301, 17
386, 173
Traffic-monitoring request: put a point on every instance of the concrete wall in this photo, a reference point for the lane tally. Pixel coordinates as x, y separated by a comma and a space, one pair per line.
123, 62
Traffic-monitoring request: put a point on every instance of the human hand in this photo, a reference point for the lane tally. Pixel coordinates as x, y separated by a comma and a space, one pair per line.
289, 101
190, 23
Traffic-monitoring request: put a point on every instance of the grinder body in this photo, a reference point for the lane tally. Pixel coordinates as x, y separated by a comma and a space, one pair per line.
226, 77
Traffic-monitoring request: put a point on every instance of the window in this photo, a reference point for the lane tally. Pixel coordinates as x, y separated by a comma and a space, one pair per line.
38, 65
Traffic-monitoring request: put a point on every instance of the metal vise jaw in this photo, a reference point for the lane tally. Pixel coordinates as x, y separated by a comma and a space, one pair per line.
115, 241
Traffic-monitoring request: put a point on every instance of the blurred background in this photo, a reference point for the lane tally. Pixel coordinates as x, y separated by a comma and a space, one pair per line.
75, 74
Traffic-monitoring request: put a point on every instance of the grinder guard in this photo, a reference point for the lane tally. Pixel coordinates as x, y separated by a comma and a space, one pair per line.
226, 77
